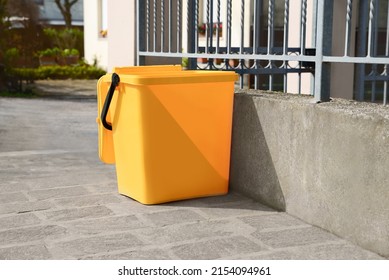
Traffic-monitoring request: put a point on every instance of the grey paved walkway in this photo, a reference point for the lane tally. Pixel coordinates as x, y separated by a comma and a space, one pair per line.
57, 201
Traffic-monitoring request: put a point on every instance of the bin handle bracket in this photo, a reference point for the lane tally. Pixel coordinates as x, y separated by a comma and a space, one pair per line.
115, 82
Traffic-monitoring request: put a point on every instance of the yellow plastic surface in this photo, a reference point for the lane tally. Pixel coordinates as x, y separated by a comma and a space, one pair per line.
105, 140
172, 134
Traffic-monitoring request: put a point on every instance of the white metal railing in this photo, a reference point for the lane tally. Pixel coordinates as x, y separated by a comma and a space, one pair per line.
256, 35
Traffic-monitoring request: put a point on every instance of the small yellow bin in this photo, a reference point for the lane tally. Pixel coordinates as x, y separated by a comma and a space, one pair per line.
171, 132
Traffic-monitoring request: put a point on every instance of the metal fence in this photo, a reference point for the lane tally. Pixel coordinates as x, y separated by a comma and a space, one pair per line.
254, 38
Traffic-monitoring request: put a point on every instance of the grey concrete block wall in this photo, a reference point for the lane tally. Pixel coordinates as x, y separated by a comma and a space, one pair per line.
327, 164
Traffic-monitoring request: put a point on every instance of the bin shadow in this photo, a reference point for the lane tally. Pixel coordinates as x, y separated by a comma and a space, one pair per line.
232, 200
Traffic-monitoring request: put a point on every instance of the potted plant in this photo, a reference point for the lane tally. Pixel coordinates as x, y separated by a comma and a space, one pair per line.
48, 56
201, 29
202, 60
71, 56
215, 26
233, 62
218, 61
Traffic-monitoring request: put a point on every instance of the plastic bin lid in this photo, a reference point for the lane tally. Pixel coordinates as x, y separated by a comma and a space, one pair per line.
176, 77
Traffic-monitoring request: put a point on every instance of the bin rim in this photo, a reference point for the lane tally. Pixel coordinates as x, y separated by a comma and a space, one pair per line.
172, 77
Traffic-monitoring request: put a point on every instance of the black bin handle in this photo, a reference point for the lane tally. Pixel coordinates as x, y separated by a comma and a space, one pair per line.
115, 82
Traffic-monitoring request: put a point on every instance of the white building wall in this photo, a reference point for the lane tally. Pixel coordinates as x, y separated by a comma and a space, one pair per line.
121, 33
96, 46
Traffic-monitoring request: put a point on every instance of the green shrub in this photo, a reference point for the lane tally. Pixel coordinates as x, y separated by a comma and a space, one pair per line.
58, 72
66, 38
53, 52
70, 52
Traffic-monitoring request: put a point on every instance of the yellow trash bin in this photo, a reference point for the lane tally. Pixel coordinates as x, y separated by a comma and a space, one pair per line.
171, 132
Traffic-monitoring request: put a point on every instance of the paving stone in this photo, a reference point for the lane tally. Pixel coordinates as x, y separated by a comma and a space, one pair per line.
235, 209
11, 174
107, 187
30, 252
100, 244
12, 197
107, 224
294, 237
87, 200
67, 178
340, 251
12, 187
221, 199
215, 249
191, 232
18, 220
77, 213
130, 206
24, 207
173, 217
58, 193
153, 254
29, 234
274, 221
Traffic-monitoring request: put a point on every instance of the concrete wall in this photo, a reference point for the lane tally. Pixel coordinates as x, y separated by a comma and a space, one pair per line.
324, 163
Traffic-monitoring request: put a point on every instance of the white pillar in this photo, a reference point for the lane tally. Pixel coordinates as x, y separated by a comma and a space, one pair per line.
121, 33
95, 46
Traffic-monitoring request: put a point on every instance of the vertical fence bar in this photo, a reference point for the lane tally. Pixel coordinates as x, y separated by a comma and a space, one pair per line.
314, 42
218, 27
170, 25
155, 25
374, 66
140, 31
241, 50
147, 25
196, 20
347, 38
385, 98
323, 47
192, 32
303, 26
303, 35
372, 43
285, 42
207, 27
256, 36
178, 50
229, 18
363, 18
211, 29
270, 38
162, 25
371, 28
